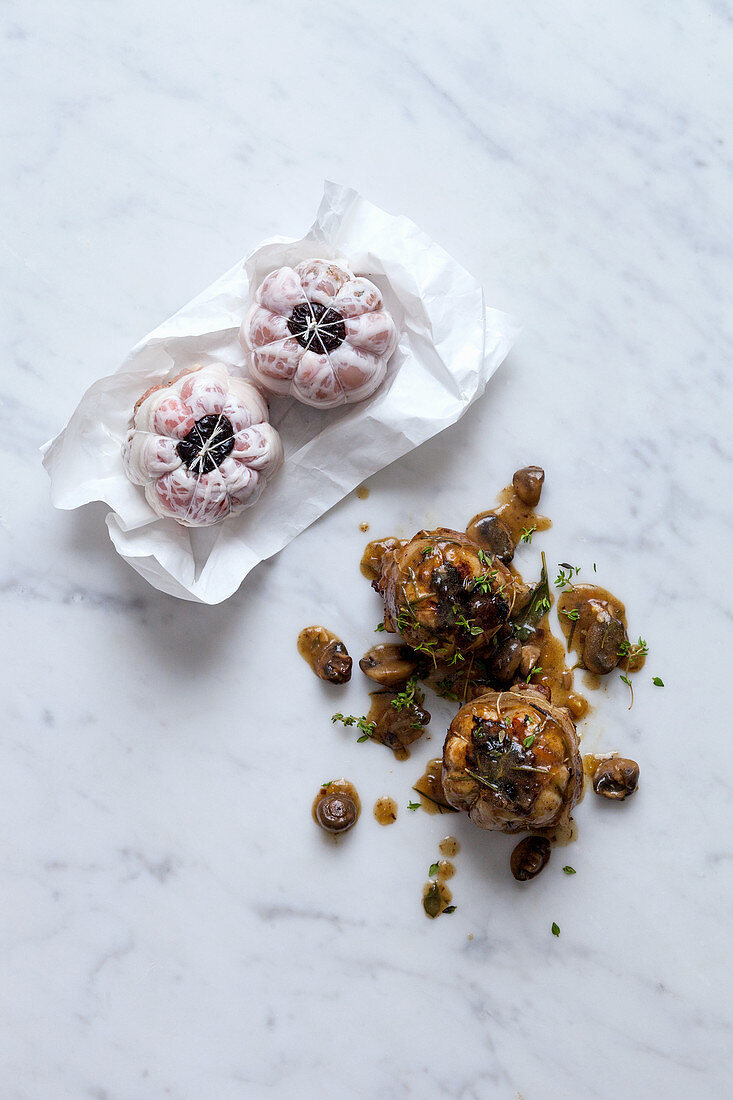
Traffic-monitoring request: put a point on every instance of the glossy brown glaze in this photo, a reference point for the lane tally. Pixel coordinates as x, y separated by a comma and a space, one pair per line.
385, 811
371, 561
513, 513
430, 788
449, 847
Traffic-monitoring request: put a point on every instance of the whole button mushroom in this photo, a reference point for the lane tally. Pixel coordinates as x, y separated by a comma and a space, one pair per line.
616, 779
528, 483
336, 807
530, 857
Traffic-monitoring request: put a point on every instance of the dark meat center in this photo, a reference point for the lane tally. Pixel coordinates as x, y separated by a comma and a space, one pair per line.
506, 766
316, 327
208, 443
458, 605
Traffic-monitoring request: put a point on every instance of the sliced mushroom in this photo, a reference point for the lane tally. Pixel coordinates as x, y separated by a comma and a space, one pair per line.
325, 653
617, 778
528, 483
388, 664
601, 645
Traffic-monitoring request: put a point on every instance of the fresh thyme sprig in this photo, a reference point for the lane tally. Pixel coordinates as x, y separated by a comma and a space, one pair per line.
564, 578
631, 652
527, 532
409, 695
367, 728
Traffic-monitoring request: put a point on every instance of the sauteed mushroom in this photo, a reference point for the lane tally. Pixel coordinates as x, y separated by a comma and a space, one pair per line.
505, 660
336, 807
603, 640
530, 857
495, 536
528, 483
617, 778
325, 653
388, 664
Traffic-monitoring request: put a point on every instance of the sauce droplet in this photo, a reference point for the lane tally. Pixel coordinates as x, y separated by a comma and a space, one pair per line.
385, 811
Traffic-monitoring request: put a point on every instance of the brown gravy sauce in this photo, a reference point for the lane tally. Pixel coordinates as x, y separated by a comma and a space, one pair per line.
581, 598
513, 513
555, 673
430, 788
385, 811
362, 492
371, 561
449, 847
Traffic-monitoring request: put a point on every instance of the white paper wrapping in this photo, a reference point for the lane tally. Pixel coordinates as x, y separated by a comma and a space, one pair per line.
450, 345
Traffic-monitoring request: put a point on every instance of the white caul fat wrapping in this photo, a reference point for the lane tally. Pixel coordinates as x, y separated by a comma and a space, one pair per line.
202, 446
319, 333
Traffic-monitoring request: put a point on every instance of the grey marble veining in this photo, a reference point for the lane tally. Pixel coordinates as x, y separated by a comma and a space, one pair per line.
173, 924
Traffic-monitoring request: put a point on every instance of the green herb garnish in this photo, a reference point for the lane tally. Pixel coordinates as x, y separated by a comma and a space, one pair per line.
555, 929
444, 688
538, 603
379, 627
433, 869
527, 532
569, 870
574, 615
631, 652
449, 909
564, 578
409, 695
432, 901
413, 805
367, 728
658, 681
529, 741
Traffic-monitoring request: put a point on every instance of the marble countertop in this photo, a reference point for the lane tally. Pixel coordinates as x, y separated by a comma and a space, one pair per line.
173, 925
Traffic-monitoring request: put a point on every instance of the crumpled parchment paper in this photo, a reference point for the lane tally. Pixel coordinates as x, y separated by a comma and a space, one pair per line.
450, 345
